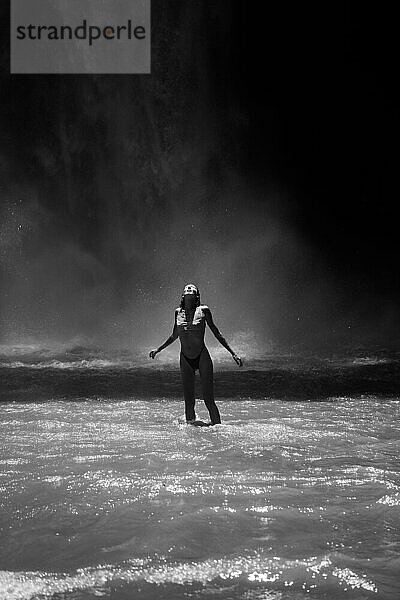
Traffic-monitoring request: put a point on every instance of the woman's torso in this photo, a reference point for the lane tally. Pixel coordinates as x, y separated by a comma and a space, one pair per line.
191, 331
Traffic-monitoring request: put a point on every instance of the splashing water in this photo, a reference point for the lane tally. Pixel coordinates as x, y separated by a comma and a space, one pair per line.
118, 499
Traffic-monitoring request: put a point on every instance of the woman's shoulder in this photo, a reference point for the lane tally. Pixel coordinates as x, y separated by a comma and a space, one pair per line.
204, 307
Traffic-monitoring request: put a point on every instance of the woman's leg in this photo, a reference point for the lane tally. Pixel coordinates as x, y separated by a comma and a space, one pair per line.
207, 385
187, 375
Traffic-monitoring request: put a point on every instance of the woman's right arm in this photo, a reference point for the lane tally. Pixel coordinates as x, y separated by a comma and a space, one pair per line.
168, 341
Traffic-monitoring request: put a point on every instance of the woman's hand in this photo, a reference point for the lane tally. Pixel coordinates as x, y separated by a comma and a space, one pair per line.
237, 360
153, 353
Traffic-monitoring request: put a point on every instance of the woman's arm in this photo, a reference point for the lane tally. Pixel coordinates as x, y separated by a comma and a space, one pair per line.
219, 336
168, 341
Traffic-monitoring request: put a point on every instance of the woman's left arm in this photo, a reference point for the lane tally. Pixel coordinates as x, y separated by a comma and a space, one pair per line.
219, 336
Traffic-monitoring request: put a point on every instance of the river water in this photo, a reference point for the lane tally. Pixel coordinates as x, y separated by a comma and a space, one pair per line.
116, 498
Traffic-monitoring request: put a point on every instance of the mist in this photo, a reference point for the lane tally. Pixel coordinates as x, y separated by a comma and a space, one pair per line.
117, 191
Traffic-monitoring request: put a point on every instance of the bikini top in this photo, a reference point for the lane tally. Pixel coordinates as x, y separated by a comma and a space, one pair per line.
198, 323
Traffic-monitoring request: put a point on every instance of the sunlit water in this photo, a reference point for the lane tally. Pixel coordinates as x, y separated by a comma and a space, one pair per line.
118, 499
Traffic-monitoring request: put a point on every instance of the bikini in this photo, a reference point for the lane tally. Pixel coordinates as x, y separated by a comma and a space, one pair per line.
194, 362
181, 321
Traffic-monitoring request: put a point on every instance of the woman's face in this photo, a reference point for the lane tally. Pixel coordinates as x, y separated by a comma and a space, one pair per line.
190, 288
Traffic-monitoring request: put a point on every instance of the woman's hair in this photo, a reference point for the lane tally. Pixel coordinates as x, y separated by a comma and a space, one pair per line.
182, 302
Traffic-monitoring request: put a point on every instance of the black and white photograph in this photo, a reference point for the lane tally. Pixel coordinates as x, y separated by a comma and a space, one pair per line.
199, 300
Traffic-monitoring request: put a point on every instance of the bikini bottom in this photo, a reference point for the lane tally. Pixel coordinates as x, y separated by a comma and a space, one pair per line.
194, 362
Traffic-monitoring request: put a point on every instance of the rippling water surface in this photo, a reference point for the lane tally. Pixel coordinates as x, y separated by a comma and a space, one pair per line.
118, 499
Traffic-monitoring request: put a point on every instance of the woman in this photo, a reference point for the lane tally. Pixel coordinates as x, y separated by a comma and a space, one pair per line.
189, 325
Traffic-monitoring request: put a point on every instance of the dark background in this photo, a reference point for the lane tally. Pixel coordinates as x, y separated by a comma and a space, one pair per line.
257, 160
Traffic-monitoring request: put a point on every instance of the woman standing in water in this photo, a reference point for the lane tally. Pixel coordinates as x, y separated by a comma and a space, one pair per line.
189, 326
